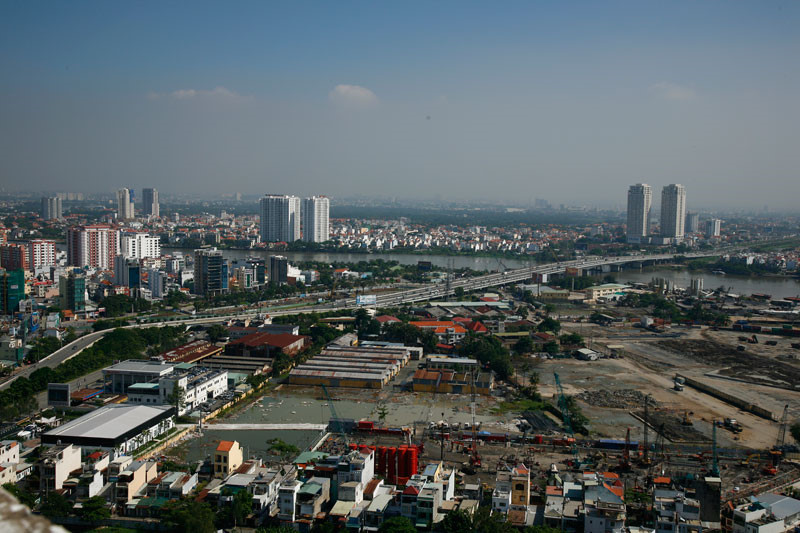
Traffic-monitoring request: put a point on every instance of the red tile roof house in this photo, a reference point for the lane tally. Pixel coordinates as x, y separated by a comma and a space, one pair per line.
267, 345
387, 319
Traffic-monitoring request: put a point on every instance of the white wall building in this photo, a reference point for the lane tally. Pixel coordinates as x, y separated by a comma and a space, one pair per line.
56, 464
713, 227
673, 211
640, 198
280, 218
41, 254
51, 208
316, 223
124, 205
199, 385
140, 246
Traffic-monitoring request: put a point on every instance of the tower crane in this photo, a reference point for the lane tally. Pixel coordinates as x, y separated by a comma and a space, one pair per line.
781, 440
564, 407
336, 422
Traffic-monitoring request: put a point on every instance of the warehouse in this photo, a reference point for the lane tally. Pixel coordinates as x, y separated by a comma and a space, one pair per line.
366, 367
448, 381
119, 427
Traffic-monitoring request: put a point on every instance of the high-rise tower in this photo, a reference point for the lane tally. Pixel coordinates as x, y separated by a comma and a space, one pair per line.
316, 224
150, 202
673, 211
640, 197
280, 218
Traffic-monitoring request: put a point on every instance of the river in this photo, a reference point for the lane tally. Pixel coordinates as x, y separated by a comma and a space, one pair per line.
458, 261
778, 287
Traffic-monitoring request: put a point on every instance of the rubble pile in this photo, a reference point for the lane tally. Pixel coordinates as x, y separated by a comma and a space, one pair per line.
617, 399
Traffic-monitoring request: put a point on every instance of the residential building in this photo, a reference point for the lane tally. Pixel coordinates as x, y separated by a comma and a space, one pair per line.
140, 246
93, 246
55, 466
41, 253
51, 208
150, 202
640, 198
692, 222
280, 218
133, 480
287, 500
12, 290
124, 205
227, 458
278, 269
9, 451
127, 272
673, 211
447, 331
767, 513
713, 227
72, 292
245, 277
210, 272
316, 225
14, 256
157, 283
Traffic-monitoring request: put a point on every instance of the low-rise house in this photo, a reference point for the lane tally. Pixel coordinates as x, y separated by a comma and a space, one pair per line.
56, 464
227, 458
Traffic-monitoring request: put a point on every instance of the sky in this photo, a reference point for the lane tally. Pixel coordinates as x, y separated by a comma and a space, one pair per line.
497, 101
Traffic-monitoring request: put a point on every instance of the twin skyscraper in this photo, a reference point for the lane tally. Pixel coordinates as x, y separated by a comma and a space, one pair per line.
288, 218
673, 212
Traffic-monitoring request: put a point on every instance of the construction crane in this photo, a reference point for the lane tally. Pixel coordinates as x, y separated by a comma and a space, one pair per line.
335, 421
781, 440
475, 457
562, 404
625, 463
645, 440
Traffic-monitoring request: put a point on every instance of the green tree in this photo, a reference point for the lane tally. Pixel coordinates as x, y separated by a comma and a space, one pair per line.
398, 524
94, 509
382, 412
217, 332
571, 339
795, 431
459, 293
56, 505
549, 324
456, 522
177, 398
524, 345
24, 496
541, 529
188, 516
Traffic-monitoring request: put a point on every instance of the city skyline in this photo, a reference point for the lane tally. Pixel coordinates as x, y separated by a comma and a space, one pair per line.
577, 100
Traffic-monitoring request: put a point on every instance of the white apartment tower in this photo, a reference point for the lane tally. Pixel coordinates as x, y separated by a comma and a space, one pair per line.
640, 197
140, 246
150, 202
673, 211
51, 208
124, 205
316, 224
280, 218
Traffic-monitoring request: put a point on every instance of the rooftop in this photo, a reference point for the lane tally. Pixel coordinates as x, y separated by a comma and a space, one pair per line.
110, 421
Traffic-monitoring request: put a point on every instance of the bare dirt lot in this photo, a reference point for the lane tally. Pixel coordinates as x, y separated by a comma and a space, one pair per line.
736, 363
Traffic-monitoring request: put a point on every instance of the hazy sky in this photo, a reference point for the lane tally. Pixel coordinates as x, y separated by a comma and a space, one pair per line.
567, 101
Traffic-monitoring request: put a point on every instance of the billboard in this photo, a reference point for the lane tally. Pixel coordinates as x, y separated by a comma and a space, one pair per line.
367, 299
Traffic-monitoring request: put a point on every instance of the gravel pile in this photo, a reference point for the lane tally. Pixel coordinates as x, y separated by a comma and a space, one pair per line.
617, 399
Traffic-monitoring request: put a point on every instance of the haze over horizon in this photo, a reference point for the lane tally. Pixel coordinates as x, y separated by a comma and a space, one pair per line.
571, 102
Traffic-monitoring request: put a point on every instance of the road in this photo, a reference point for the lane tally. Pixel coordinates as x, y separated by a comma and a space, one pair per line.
433, 291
